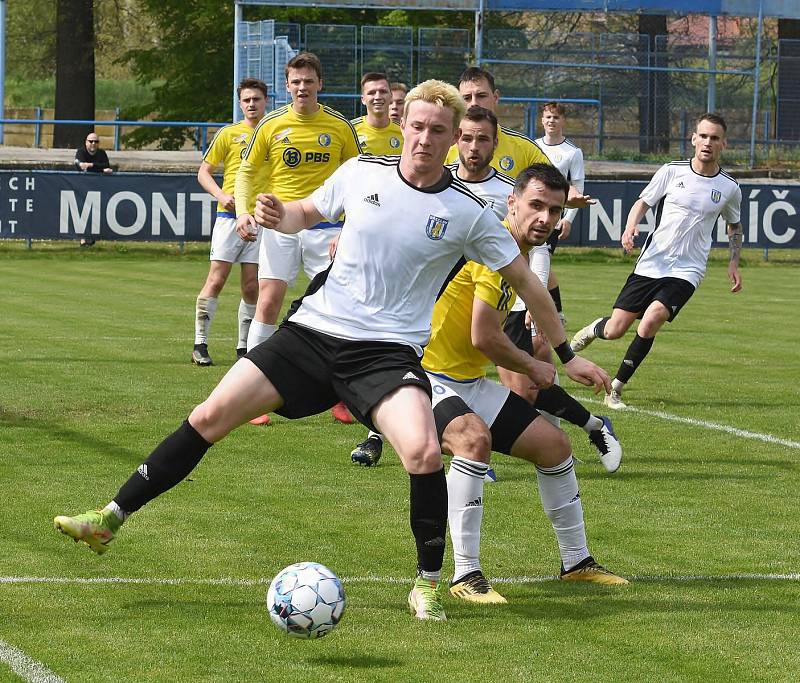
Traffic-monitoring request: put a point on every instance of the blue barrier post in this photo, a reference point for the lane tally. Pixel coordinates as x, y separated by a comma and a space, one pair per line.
116, 130
600, 129
37, 129
684, 132
766, 134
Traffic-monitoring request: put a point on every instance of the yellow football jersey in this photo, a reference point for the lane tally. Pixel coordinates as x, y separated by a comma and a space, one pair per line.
299, 152
380, 141
514, 152
450, 351
226, 148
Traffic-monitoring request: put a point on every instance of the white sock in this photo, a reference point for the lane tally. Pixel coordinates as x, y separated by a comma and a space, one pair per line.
117, 510
465, 513
258, 333
594, 423
204, 310
617, 386
558, 489
375, 434
246, 314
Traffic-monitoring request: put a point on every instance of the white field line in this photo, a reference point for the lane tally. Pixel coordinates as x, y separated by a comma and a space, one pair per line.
715, 426
224, 581
26, 668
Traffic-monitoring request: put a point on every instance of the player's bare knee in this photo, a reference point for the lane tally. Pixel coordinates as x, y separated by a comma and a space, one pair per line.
542, 443
422, 458
468, 437
204, 419
250, 291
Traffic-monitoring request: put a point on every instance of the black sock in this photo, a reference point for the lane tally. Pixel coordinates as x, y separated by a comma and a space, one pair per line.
429, 518
599, 328
634, 356
559, 403
555, 295
168, 464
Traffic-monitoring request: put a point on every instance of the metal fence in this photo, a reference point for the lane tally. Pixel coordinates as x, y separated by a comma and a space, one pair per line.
631, 94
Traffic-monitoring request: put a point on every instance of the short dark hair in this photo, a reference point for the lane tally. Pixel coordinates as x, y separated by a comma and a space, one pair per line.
546, 174
557, 107
713, 117
475, 73
305, 60
478, 114
397, 85
251, 84
374, 76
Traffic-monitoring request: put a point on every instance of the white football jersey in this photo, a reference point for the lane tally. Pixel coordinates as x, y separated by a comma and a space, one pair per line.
567, 158
687, 207
493, 189
398, 246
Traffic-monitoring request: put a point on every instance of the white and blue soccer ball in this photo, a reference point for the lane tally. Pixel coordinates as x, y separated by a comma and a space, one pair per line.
306, 600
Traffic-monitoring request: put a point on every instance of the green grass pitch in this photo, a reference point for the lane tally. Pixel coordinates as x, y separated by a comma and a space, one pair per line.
94, 371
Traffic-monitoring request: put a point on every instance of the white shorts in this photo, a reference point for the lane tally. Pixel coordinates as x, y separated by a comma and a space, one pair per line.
484, 396
226, 245
281, 255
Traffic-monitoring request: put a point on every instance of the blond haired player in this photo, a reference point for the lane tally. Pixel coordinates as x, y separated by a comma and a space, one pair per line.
300, 145
227, 247
358, 332
377, 133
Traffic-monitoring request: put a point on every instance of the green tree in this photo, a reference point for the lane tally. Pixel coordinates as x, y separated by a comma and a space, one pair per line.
191, 61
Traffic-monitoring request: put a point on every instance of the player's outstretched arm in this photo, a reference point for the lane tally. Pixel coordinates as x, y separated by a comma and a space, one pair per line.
289, 218
637, 212
577, 200
735, 236
543, 310
488, 337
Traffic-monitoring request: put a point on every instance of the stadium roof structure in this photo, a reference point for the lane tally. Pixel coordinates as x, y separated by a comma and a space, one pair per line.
785, 9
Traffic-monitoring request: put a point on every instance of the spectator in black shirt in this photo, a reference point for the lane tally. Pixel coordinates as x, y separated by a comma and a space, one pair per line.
91, 158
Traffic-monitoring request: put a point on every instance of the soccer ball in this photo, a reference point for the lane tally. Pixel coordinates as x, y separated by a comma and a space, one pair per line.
306, 600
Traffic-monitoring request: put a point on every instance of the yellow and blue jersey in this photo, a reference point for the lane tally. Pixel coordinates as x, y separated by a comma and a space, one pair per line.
378, 141
514, 152
227, 148
450, 351
298, 151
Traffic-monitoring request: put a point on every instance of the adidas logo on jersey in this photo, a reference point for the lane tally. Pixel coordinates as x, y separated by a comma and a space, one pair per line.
411, 375
373, 199
680, 184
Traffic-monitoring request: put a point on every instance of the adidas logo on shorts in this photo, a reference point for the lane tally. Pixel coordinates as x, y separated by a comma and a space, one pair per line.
411, 375
372, 199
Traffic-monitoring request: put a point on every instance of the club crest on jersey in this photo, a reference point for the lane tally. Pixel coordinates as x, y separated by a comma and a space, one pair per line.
716, 195
506, 163
436, 227
394, 142
324, 139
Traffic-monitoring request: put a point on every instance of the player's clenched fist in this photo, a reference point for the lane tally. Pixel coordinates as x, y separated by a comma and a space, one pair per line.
269, 210
246, 227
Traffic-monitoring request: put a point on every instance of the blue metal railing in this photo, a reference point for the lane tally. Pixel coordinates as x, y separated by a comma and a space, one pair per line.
202, 126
